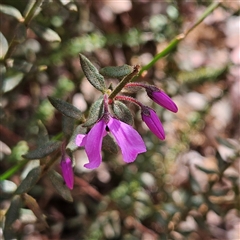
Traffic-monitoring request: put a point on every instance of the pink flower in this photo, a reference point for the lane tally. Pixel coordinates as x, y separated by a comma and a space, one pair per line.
161, 98
128, 139
150, 117
67, 170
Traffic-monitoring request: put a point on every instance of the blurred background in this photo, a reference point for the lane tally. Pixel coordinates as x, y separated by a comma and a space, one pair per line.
186, 187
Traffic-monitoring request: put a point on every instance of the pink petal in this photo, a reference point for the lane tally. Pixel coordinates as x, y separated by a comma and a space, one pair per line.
94, 144
154, 123
81, 140
67, 171
128, 139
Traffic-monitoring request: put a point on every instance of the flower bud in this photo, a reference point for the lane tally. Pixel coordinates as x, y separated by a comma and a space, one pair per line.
67, 170
150, 117
161, 98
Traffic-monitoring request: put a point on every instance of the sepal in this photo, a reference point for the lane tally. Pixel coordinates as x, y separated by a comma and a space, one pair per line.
95, 113
122, 112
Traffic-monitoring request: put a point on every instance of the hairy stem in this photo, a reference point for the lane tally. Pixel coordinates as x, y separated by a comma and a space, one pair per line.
125, 80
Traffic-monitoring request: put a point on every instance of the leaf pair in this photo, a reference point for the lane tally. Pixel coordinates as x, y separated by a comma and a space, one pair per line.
96, 78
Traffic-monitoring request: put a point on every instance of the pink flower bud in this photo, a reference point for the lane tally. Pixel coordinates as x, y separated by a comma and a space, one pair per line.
161, 98
150, 117
67, 171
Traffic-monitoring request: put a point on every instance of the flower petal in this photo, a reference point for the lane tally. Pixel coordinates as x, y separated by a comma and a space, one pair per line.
94, 144
67, 171
81, 140
154, 123
128, 139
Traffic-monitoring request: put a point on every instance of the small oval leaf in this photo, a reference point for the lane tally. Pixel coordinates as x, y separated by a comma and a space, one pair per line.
45, 33
43, 150
95, 113
225, 142
58, 183
12, 11
67, 126
11, 82
30, 180
42, 133
92, 74
116, 71
109, 145
22, 66
66, 108
9, 233
208, 171
13, 211
3, 45
122, 112
33, 205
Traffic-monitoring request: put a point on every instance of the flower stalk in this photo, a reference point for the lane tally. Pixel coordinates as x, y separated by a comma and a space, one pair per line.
124, 81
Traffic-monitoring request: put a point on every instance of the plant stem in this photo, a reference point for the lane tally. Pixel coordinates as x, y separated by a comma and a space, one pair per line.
178, 38
207, 12
29, 16
32, 12
12, 170
124, 81
129, 99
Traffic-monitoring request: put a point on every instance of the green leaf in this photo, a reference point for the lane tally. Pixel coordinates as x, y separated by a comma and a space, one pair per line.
30, 180
208, 171
66, 108
219, 192
194, 184
12, 11
222, 164
116, 71
109, 145
67, 126
23, 66
45, 33
225, 142
122, 112
197, 200
95, 113
213, 206
9, 233
92, 74
58, 183
43, 150
13, 211
170, 208
42, 133
3, 45
32, 204
11, 82
72, 143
